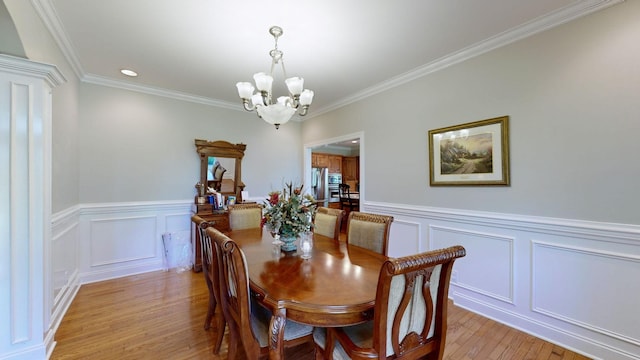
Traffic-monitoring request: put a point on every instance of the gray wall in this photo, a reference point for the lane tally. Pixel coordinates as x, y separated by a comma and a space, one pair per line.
138, 147
114, 145
40, 46
571, 93
572, 96
10, 43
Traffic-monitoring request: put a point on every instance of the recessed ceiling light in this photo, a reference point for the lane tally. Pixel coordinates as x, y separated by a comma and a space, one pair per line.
354, 141
129, 72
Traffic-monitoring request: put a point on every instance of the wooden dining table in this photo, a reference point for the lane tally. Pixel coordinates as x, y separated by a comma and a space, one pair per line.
336, 286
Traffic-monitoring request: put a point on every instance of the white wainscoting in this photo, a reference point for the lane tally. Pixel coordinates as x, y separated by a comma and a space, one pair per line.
483, 249
121, 239
408, 238
65, 279
561, 272
574, 283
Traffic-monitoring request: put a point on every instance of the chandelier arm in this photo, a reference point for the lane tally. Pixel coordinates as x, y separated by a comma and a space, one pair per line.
247, 105
295, 101
266, 98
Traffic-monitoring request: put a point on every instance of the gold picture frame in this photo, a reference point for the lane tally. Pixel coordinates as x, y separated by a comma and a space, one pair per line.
475, 153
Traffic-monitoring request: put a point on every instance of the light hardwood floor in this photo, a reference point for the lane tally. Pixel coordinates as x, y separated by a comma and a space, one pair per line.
160, 315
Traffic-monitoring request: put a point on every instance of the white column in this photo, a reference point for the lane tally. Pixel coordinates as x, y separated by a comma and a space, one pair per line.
25, 205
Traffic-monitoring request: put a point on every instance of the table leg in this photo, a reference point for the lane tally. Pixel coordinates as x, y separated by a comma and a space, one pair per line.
276, 340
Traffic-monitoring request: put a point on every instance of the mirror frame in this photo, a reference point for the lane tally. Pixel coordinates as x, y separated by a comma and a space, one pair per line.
222, 149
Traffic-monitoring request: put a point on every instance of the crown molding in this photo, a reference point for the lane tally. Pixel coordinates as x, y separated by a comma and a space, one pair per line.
22, 66
105, 81
576, 10
52, 22
556, 18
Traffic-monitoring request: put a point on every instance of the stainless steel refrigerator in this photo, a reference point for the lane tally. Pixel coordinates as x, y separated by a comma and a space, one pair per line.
320, 184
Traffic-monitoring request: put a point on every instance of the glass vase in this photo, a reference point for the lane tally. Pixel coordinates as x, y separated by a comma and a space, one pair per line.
288, 243
306, 244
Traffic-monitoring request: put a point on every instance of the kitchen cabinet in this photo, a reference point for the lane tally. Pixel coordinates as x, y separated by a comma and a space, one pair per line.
319, 160
330, 161
335, 164
351, 168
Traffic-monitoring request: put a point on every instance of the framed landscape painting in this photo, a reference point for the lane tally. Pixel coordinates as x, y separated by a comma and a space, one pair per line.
475, 153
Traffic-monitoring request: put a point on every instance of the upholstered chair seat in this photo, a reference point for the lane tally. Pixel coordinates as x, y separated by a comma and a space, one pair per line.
260, 318
361, 335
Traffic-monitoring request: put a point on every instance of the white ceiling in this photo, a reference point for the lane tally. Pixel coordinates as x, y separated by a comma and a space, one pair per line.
346, 50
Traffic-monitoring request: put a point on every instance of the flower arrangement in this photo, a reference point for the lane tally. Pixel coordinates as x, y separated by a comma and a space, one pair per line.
289, 212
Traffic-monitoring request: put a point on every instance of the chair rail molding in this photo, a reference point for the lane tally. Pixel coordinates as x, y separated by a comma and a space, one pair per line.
518, 269
557, 279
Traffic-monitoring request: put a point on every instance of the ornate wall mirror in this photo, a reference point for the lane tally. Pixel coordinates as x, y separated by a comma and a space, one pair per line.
221, 166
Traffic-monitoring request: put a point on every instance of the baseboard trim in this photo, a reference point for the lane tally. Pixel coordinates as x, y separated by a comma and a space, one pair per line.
577, 343
121, 271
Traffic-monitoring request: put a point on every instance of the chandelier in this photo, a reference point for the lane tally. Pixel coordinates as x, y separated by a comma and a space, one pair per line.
281, 111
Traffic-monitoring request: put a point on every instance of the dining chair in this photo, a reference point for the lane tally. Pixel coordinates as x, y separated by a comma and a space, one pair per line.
328, 222
410, 314
210, 271
245, 216
370, 231
248, 321
347, 201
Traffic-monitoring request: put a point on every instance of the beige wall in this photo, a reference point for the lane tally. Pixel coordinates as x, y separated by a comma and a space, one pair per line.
572, 95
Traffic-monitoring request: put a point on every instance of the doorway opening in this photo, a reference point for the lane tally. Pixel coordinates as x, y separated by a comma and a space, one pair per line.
349, 145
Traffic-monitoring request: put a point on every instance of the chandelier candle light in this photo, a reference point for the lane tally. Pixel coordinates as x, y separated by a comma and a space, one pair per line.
283, 109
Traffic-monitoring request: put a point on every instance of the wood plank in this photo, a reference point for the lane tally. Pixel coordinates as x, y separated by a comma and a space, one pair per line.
161, 315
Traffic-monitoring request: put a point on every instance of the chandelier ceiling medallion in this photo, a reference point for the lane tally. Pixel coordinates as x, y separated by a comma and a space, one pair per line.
281, 111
